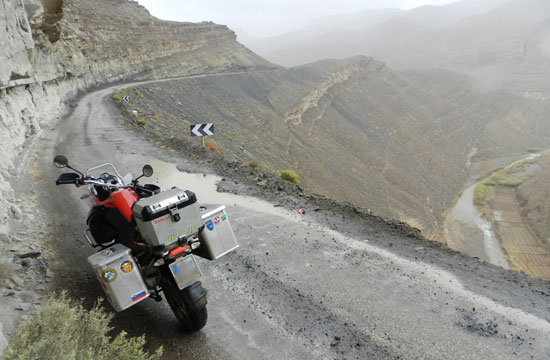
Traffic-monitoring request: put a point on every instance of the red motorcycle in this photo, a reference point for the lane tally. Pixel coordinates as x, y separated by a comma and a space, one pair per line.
148, 239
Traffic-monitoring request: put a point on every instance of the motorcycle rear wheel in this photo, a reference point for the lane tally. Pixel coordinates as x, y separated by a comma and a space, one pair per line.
189, 304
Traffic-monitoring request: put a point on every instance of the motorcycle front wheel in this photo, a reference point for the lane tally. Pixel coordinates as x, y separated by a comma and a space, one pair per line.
189, 304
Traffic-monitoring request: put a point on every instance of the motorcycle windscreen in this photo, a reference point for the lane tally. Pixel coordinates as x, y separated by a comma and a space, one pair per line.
87, 157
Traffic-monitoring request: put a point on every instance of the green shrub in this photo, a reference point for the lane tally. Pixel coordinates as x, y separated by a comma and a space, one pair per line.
513, 182
483, 191
229, 138
488, 173
117, 97
137, 93
289, 175
62, 329
142, 122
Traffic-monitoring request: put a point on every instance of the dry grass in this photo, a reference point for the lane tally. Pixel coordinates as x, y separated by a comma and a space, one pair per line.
62, 329
6, 270
412, 222
210, 144
255, 164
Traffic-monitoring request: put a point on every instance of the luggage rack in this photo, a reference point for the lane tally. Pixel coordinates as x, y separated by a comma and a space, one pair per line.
93, 243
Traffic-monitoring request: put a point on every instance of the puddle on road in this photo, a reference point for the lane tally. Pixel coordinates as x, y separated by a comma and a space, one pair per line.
167, 175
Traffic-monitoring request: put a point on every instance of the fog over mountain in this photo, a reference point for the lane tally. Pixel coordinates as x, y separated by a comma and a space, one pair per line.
504, 43
269, 18
342, 27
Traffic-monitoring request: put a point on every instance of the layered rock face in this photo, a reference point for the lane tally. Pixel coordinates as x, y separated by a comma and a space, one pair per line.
51, 49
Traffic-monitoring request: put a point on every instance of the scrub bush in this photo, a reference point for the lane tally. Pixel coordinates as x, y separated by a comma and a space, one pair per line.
289, 175
210, 144
62, 329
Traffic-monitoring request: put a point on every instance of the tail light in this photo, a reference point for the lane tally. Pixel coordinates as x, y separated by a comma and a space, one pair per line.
179, 251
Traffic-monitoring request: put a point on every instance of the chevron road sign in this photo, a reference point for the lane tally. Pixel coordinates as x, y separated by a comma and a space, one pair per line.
202, 129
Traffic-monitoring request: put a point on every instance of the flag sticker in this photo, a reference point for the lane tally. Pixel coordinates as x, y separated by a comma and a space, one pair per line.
209, 225
139, 295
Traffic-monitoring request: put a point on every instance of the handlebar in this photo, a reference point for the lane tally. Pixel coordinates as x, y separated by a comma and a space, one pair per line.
72, 178
95, 182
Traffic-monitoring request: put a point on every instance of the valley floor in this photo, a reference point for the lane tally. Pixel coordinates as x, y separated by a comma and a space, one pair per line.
525, 251
501, 235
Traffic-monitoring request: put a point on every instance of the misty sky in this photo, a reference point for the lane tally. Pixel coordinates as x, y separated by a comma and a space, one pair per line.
266, 18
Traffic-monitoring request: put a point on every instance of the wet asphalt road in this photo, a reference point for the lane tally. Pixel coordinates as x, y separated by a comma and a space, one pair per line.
295, 289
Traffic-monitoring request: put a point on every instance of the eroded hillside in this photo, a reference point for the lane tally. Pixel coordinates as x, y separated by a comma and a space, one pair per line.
354, 130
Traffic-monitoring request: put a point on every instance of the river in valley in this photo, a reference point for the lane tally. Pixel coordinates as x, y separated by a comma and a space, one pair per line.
467, 231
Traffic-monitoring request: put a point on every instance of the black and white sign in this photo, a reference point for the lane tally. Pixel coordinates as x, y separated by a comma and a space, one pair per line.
125, 98
202, 129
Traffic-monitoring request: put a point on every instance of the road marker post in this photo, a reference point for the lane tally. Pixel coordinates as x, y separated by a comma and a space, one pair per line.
202, 130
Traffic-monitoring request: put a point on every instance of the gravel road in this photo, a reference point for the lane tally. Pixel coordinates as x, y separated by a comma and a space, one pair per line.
335, 283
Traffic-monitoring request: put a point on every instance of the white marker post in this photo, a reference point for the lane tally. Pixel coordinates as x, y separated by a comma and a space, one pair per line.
202, 130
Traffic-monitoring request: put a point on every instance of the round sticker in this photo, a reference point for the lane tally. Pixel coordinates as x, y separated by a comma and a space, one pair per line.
109, 275
127, 267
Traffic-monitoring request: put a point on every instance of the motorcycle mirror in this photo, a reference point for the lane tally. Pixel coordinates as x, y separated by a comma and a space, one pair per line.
60, 161
147, 171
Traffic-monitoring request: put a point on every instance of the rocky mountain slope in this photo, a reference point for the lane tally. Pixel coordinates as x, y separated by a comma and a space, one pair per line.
354, 130
53, 49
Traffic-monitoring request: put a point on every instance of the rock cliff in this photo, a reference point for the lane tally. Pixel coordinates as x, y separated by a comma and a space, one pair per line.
52, 49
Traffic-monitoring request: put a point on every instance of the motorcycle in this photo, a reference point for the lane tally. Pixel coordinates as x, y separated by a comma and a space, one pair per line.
147, 239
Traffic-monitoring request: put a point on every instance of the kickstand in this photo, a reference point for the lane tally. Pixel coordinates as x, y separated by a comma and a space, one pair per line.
156, 295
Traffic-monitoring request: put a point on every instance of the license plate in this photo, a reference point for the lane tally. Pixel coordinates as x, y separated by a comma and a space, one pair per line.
185, 271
